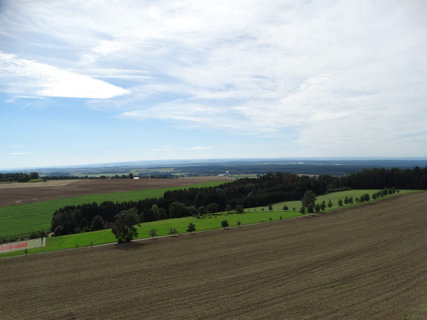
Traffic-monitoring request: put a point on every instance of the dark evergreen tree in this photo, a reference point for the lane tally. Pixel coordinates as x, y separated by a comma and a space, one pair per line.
97, 223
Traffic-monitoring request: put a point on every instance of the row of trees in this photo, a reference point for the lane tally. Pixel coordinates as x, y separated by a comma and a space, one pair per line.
309, 200
238, 194
25, 177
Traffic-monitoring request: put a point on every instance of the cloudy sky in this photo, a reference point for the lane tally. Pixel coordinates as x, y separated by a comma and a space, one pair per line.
102, 81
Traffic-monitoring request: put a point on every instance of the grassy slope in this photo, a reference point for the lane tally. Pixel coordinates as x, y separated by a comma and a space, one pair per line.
22, 219
334, 197
208, 223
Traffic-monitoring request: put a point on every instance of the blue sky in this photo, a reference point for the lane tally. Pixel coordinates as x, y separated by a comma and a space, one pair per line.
86, 82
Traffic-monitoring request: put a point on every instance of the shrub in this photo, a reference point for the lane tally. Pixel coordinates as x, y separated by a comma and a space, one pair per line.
153, 233
35, 235
364, 197
173, 231
270, 207
240, 209
224, 223
191, 227
285, 208
238, 222
323, 206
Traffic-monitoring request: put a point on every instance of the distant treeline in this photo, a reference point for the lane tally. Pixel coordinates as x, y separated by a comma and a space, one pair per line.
18, 177
380, 178
248, 192
70, 177
25, 177
329, 167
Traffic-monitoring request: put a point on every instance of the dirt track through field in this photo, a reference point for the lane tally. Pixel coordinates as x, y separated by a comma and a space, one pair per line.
364, 263
18, 193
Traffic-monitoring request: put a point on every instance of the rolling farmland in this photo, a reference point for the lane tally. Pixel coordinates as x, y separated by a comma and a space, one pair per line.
202, 223
22, 219
360, 263
20, 193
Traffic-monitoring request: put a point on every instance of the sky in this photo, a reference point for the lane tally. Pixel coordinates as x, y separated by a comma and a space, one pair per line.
85, 82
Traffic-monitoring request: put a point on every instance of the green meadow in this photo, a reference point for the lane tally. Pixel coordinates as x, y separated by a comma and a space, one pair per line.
209, 222
334, 197
23, 219
206, 222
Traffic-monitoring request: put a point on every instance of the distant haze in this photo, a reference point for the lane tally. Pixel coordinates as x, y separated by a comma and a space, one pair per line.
176, 168
87, 82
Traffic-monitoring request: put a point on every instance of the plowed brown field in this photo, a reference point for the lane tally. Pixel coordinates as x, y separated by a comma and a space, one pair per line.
18, 193
364, 263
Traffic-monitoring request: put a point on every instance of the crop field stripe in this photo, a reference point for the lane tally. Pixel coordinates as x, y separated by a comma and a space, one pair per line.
22, 219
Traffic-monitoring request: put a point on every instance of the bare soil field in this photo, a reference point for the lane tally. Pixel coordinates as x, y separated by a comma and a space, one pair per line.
364, 263
18, 193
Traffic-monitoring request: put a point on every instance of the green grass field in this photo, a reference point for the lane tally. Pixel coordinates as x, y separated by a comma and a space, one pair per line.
162, 227
208, 222
23, 219
334, 197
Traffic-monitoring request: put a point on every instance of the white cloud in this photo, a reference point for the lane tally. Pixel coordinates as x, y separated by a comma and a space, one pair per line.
23, 76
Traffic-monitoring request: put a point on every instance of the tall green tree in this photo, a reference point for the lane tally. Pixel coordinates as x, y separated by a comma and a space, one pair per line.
308, 200
124, 225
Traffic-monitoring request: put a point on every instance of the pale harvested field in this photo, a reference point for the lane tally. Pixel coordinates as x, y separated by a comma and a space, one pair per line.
18, 193
364, 263
50, 183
